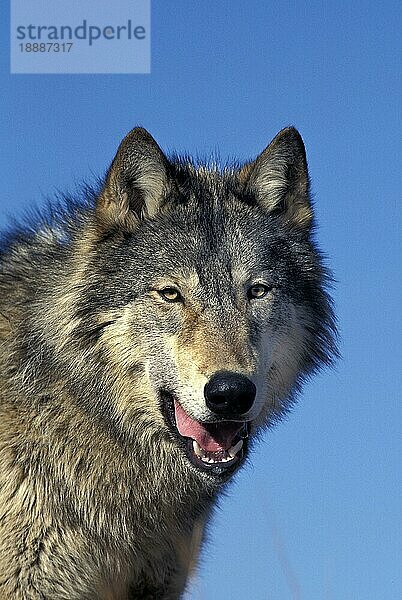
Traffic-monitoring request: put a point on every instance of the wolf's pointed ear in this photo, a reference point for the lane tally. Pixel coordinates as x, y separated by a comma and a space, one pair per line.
136, 184
279, 179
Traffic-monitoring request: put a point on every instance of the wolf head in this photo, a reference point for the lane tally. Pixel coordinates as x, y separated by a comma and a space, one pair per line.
211, 305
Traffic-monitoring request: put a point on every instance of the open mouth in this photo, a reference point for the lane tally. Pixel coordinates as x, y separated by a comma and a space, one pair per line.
217, 447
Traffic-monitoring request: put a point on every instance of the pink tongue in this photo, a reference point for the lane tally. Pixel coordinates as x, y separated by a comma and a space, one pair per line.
212, 437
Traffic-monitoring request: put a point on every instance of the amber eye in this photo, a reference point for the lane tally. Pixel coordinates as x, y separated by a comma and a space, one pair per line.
258, 290
170, 294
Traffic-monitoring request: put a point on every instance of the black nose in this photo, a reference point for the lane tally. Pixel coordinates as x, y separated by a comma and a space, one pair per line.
229, 394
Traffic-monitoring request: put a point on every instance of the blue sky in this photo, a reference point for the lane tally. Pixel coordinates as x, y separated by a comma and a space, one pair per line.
317, 513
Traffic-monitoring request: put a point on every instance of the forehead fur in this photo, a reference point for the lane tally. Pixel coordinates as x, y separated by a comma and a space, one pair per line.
208, 180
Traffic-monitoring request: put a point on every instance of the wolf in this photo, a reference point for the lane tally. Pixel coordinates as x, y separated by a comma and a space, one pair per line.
149, 331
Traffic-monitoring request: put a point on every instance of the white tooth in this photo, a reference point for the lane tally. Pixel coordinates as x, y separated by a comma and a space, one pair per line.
207, 458
197, 449
235, 449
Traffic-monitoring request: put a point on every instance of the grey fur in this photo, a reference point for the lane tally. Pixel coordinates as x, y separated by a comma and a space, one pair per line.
97, 497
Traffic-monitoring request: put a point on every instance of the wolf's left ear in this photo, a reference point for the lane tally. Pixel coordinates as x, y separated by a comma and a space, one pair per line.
137, 182
279, 179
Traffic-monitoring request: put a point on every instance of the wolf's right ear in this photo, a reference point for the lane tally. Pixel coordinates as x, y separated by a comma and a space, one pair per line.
136, 184
279, 180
